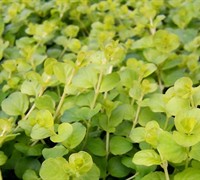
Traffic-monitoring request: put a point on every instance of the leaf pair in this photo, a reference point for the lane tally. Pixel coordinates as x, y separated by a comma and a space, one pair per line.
79, 166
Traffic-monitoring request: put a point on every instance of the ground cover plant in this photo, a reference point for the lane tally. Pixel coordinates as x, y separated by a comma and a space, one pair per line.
99, 89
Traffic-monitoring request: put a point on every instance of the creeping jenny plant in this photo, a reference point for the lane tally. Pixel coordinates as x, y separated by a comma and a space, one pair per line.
99, 89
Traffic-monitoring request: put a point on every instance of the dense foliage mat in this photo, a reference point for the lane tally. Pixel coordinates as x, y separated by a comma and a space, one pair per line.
99, 89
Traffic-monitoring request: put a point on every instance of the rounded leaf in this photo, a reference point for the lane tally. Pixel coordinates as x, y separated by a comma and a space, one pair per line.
146, 157
169, 149
137, 134
54, 168
165, 41
188, 121
64, 131
56, 151
109, 82
194, 153
186, 140
188, 174
183, 87
120, 145
116, 168
96, 146
76, 137
15, 104
3, 158
80, 162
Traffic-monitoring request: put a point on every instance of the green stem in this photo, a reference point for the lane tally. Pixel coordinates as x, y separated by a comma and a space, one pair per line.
137, 113
136, 116
107, 145
164, 166
192, 101
109, 71
63, 95
166, 122
96, 90
1, 175
86, 134
30, 55
33, 106
132, 101
61, 54
161, 87
152, 28
107, 150
188, 159
132, 177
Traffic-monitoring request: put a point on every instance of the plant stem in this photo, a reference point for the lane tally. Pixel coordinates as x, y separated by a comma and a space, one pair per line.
152, 28
166, 122
107, 144
161, 87
192, 101
137, 113
63, 95
1, 175
164, 166
109, 71
86, 134
107, 150
136, 116
132, 177
96, 91
188, 159
61, 54
33, 106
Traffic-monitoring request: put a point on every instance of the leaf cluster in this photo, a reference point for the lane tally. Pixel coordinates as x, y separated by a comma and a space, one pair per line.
99, 89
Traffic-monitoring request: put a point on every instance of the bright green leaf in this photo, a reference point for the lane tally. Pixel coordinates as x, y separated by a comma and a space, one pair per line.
155, 102
137, 134
109, 82
31, 88
154, 176
38, 132
86, 77
44, 118
54, 152
194, 153
155, 56
64, 132
45, 102
152, 133
147, 158
54, 168
15, 104
169, 149
165, 41
188, 121
186, 140
71, 31
183, 87
76, 137
92, 174
80, 162
63, 71
176, 105
188, 174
